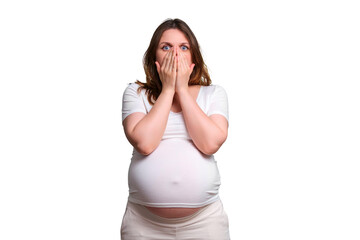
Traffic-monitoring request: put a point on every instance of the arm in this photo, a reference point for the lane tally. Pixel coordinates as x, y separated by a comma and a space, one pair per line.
144, 132
207, 132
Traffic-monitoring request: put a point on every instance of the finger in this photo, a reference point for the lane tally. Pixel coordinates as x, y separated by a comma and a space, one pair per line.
183, 61
168, 62
165, 61
172, 61
175, 55
179, 60
186, 61
177, 63
176, 58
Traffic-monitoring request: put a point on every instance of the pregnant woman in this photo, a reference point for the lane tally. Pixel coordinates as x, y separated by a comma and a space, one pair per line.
175, 121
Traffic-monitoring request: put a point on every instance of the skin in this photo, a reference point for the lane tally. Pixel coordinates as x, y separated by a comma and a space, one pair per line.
174, 65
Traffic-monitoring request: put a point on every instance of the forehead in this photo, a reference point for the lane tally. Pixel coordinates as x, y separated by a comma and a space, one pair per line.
173, 36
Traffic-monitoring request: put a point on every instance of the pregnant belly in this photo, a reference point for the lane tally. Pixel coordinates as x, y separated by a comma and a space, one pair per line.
175, 175
173, 212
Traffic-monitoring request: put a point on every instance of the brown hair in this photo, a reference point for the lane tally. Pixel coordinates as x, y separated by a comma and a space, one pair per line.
153, 85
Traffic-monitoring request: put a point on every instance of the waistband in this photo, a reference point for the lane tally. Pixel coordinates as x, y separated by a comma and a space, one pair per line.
145, 213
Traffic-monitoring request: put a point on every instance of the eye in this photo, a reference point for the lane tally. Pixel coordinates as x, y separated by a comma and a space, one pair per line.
183, 47
166, 48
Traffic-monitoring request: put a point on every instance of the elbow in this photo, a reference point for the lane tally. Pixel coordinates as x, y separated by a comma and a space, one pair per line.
210, 148
142, 144
144, 149
143, 152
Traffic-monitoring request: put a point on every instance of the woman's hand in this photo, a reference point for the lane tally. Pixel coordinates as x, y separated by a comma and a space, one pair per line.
184, 71
167, 71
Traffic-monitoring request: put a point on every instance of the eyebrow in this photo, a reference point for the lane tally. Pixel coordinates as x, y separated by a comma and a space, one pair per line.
167, 43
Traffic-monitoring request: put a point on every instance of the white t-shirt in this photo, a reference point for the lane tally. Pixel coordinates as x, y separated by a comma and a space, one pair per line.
176, 173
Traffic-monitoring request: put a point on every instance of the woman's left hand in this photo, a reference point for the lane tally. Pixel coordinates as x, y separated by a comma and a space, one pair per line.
184, 71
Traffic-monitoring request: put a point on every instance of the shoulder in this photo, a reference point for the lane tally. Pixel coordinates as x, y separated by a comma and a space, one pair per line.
213, 89
131, 92
132, 88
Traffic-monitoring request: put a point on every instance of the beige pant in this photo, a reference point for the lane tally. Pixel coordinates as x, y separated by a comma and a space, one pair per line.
209, 223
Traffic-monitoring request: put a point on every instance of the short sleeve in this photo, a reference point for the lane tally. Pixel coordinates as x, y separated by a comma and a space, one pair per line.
219, 102
132, 101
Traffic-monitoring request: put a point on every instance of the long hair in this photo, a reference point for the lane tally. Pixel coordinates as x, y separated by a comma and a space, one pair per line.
153, 85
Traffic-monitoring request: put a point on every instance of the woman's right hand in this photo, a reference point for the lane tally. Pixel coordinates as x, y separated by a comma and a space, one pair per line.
167, 71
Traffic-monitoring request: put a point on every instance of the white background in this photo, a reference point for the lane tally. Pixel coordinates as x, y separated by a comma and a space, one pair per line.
290, 166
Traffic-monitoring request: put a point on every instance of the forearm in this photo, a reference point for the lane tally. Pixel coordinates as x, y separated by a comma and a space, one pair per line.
205, 133
147, 133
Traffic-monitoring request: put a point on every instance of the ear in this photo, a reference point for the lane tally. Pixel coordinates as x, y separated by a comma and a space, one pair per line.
192, 67
157, 66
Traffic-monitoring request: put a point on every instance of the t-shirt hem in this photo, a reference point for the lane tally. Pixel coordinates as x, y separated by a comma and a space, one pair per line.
174, 205
125, 115
220, 113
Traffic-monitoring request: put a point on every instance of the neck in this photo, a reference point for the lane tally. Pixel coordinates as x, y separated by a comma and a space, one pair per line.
176, 98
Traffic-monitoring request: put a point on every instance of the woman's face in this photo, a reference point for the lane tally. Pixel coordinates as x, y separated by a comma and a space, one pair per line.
170, 39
